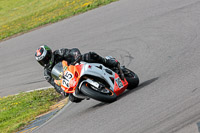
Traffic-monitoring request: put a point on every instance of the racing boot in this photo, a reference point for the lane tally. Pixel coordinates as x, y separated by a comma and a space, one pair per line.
93, 57
111, 62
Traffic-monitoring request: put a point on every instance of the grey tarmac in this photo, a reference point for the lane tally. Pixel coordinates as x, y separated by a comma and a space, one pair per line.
157, 39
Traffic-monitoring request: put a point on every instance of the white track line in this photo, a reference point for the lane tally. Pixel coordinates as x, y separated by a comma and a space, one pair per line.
43, 88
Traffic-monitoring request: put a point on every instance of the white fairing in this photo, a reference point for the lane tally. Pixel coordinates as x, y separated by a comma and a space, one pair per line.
98, 70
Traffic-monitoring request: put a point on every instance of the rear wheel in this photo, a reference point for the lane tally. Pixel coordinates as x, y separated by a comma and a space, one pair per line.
132, 78
104, 95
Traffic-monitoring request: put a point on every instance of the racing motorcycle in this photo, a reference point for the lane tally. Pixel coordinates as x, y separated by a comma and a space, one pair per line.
93, 80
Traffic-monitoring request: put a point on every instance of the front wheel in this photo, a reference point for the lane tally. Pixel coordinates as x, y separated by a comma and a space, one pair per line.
88, 90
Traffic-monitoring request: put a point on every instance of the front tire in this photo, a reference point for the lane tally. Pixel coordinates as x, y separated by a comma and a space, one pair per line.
86, 90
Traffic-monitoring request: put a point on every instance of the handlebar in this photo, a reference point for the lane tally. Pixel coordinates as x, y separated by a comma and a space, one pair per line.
77, 60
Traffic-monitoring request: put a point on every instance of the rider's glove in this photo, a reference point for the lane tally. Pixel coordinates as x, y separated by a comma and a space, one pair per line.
47, 74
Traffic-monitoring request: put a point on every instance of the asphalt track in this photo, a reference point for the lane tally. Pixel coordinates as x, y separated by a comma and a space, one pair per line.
158, 39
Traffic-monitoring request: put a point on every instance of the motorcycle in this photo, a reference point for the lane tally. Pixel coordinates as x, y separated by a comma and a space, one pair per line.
93, 80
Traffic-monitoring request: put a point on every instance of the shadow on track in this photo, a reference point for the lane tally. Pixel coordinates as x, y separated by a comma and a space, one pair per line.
142, 85
101, 104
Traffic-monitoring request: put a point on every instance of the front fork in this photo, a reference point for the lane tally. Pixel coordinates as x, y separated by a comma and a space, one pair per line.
78, 93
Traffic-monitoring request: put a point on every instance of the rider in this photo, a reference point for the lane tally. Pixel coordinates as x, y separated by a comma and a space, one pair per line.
48, 59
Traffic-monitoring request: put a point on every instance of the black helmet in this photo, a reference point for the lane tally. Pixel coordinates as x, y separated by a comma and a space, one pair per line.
43, 55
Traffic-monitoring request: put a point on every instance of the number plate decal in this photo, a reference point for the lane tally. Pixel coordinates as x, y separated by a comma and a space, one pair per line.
65, 83
119, 83
68, 76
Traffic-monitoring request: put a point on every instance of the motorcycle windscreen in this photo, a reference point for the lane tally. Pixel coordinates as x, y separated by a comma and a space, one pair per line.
57, 71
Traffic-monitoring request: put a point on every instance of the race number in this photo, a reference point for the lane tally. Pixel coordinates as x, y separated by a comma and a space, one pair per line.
65, 83
68, 76
119, 83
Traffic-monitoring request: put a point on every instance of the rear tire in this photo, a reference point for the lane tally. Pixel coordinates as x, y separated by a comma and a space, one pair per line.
132, 78
98, 95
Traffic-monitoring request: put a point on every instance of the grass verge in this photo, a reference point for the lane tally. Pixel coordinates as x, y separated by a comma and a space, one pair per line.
23, 15
17, 110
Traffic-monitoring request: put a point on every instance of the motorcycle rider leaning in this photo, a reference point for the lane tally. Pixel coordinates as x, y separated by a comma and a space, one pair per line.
48, 59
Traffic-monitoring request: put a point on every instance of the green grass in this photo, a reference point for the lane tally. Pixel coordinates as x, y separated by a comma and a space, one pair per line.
16, 111
23, 15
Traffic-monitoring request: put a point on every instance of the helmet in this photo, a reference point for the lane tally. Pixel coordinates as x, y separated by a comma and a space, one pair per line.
43, 55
